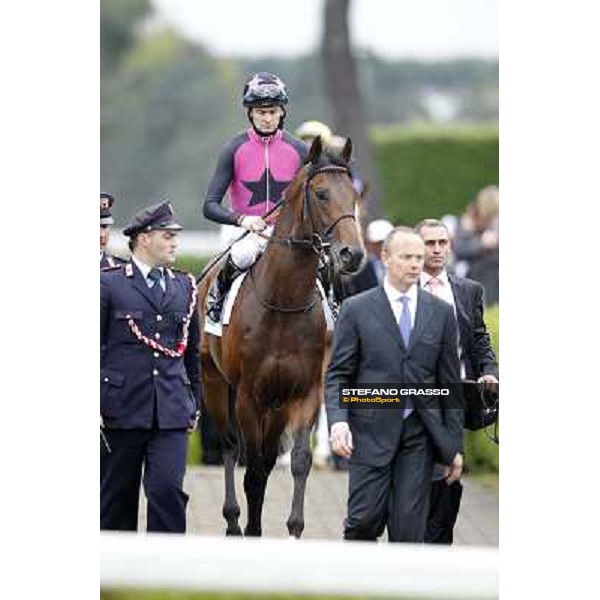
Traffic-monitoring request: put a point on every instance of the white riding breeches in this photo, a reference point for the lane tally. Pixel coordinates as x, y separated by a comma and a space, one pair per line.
244, 252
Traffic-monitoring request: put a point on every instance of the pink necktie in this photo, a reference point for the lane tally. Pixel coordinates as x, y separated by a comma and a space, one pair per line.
434, 285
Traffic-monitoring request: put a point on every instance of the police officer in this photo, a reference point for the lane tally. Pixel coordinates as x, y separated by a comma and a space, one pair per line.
149, 377
106, 220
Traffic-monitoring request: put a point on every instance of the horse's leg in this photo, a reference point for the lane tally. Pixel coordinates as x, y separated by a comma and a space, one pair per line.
255, 478
301, 463
231, 443
259, 467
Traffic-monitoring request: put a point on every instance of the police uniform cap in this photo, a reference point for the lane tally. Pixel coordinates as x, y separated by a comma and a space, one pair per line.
106, 202
157, 216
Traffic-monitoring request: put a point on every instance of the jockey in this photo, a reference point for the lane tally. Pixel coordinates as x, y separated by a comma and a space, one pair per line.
256, 166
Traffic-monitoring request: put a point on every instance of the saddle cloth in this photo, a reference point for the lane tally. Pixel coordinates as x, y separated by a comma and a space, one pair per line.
217, 328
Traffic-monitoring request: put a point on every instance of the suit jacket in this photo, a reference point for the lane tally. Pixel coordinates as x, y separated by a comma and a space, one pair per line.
368, 348
134, 377
108, 260
476, 348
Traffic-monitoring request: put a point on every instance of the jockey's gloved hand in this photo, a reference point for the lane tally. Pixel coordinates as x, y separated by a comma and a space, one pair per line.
255, 224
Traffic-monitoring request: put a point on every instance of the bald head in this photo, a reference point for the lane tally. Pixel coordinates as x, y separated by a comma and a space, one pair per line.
403, 255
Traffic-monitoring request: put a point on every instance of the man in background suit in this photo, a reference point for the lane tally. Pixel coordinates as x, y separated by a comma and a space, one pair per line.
373, 272
106, 220
477, 358
395, 334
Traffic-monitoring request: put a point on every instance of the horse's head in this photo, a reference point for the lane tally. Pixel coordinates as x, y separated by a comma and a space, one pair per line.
329, 206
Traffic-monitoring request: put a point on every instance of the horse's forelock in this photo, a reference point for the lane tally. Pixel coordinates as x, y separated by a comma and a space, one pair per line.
326, 159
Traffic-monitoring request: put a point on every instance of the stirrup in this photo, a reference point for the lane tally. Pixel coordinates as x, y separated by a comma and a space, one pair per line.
220, 288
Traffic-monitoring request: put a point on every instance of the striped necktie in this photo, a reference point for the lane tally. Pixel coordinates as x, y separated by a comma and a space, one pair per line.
155, 275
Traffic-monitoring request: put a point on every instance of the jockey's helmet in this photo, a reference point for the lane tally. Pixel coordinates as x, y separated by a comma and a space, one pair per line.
264, 89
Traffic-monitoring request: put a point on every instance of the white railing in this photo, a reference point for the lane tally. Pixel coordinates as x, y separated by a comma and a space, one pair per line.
302, 567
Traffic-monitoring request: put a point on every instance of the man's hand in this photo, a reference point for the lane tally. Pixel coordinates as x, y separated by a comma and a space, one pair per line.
454, 471
341, 439
194, 423
489, 381
255, 224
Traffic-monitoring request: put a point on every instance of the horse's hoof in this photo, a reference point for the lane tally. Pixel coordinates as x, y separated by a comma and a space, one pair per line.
251, 533
233, 531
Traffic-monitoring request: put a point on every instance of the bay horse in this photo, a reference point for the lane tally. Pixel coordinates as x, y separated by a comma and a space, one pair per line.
265, 373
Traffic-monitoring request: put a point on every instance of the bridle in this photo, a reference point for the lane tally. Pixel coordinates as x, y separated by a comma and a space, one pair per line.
317, 241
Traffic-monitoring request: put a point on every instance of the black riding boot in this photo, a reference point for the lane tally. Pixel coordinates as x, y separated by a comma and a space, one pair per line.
220, 288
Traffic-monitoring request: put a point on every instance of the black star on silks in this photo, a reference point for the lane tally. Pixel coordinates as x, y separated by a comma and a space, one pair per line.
259, 189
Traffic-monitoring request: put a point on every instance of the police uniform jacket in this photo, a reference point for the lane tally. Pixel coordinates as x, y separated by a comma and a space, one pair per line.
135, 379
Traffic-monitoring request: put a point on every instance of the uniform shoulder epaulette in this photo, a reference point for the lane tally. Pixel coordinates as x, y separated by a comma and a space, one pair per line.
109, 268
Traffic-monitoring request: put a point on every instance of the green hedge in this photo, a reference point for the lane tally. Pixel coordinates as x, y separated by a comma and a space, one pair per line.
191, 263
429, 171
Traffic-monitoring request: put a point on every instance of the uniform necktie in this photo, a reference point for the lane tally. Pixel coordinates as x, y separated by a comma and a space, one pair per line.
155, 275
405, 320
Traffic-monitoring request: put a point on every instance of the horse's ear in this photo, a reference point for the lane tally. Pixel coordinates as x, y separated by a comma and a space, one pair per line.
347, 151
315, 150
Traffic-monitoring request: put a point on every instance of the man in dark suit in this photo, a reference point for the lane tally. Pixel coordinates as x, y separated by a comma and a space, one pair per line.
395, 334
106, 220
373, 272
149, 377
477, 358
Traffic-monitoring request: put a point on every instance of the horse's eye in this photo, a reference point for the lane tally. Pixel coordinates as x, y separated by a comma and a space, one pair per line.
322, 194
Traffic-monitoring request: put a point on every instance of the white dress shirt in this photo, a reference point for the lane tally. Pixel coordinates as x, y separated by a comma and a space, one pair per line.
445, 293
145, 269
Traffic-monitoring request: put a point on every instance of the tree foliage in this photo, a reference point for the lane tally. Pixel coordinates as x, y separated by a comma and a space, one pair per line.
168, 106
118, 21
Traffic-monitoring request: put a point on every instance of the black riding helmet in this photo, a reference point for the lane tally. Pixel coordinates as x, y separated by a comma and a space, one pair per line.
264, 89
